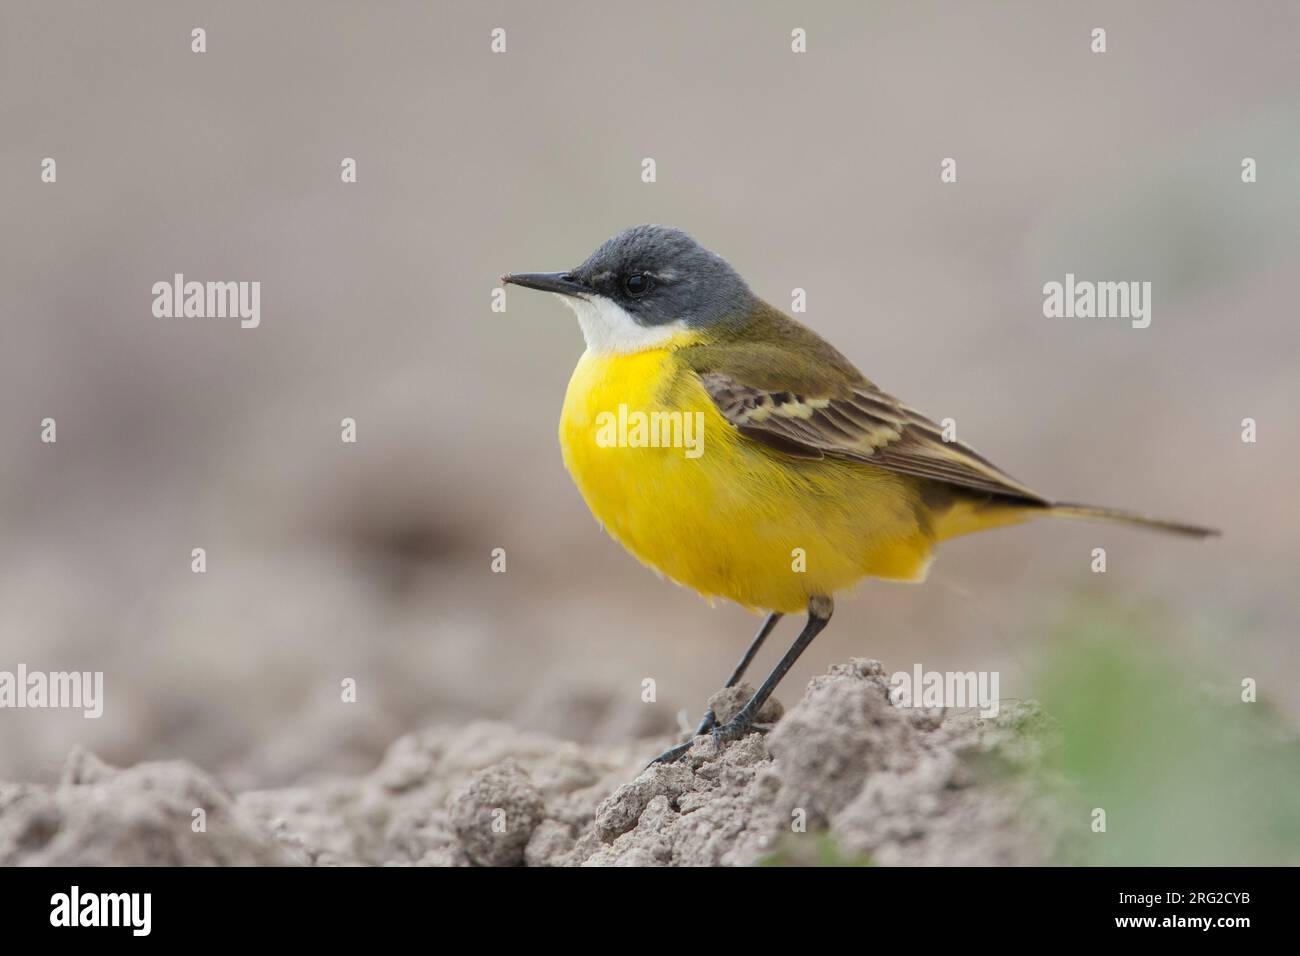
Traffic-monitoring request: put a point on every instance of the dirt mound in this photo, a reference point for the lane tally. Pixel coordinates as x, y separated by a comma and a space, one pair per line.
844, 776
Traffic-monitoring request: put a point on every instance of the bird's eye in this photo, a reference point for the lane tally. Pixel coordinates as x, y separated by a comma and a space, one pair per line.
638, 284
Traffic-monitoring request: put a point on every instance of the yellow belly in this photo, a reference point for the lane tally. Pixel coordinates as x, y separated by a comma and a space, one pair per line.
736, 520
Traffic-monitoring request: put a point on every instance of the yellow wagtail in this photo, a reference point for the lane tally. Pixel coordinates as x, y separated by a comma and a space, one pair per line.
804, 477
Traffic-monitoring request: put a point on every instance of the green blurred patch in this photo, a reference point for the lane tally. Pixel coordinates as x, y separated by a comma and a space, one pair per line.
1186, 772
812, 849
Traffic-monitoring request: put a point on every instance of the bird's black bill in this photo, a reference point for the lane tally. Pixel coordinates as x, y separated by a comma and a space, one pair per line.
561, 282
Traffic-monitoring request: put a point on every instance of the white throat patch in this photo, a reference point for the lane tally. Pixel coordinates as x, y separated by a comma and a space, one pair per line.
609, 330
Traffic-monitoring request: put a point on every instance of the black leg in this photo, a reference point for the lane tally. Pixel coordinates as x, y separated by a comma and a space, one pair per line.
709, 719
819, 615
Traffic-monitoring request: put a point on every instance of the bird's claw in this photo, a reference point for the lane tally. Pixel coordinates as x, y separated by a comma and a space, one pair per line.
708, 722
672, 754
734, 729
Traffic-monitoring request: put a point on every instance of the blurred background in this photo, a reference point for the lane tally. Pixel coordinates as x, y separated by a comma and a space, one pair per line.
820, 171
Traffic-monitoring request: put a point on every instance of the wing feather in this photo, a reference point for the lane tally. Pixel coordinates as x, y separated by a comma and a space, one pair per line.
861, 423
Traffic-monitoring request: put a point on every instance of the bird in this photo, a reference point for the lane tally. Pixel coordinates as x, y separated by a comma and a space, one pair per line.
799, 477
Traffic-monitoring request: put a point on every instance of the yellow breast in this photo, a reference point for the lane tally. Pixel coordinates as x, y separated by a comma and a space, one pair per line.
677, 486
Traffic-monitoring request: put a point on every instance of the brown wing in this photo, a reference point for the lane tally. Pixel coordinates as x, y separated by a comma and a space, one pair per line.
860, 423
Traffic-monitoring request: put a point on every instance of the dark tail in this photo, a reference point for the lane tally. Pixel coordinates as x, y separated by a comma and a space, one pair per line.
1128, 517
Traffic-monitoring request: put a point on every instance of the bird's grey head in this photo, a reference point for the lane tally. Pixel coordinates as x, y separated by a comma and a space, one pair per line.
645, 285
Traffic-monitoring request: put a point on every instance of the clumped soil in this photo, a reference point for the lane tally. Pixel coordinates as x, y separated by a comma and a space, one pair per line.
844, 775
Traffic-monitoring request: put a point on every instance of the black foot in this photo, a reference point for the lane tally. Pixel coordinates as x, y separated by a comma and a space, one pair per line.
672, 754
707, 724
739, 726
735, 728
